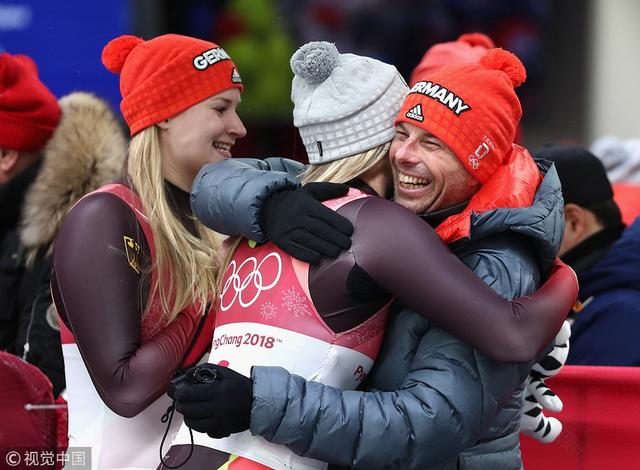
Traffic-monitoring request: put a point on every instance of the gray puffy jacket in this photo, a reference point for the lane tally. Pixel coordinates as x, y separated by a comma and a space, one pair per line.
431, 402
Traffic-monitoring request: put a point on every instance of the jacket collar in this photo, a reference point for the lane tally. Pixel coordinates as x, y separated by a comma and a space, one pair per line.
513, 185
618, 269
541, 222
437, 217
593, 249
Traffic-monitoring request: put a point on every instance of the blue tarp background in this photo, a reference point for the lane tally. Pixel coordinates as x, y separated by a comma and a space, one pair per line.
65, 38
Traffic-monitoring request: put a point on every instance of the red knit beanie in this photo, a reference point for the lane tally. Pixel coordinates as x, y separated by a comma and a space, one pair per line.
472, 108
29, 113
467, 49
164, 76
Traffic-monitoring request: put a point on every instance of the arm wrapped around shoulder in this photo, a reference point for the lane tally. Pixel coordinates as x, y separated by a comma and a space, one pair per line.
228, 196
298, 222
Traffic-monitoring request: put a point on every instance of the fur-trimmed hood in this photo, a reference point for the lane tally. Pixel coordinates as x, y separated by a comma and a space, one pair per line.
86, 151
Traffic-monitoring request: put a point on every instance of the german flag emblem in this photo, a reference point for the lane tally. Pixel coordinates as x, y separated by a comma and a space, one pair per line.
132, 249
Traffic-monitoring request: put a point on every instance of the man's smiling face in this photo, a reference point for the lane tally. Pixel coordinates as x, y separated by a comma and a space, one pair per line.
427, 176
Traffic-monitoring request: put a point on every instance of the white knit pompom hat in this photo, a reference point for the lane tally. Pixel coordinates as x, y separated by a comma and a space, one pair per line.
620, 157
344, 104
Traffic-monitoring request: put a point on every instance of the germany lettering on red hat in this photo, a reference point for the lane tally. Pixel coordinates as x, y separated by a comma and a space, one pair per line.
210, 57
441, 94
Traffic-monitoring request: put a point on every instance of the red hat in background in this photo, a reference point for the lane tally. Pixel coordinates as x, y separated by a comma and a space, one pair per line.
164, 76
472, 108
29, 113
467, 49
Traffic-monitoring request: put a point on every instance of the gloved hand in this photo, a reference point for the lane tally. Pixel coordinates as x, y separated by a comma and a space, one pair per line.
302, 226
213, 399
539, 397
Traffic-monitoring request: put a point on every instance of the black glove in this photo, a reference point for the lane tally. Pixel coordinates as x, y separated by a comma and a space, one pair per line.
213, 399
302, 226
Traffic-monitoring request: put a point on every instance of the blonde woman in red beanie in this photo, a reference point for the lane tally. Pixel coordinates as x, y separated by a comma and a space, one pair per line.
292, 341
134, 272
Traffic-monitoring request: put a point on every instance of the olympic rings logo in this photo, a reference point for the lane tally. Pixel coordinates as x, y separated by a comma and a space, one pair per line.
479, 154
474, 162
254, 278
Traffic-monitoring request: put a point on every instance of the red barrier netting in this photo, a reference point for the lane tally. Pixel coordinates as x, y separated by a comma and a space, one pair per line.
627, 196
30, 420
601, 421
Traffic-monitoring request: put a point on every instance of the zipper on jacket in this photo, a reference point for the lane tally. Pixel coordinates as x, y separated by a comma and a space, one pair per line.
25, 348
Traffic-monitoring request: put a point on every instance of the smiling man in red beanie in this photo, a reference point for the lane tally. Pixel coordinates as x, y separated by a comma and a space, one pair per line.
471, 168
454, 161
467, 49
51, 153
455, 143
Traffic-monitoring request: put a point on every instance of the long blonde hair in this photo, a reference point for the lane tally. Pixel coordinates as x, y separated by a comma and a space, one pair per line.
186, 265
346, 169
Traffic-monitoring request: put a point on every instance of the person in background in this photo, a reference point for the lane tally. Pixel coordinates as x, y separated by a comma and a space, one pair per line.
468, 48
621, 160
606, 257
133, 271
51, 154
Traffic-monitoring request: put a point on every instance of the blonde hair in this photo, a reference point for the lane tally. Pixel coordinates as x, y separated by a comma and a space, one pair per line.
186, 265
346, 169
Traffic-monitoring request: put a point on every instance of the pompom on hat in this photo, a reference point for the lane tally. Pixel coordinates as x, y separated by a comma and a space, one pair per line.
166, 75
467, 49
344, 104
472, 108
29, 113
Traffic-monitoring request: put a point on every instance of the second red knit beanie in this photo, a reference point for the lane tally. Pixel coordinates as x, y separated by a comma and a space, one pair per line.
29, 113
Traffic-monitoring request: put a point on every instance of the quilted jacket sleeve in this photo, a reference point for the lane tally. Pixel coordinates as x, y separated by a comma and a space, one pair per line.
228, 196
438, 411
438, 396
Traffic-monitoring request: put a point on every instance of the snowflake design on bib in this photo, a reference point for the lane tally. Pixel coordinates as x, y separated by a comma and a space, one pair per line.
369, 330
268, 311
362, 336
295, 303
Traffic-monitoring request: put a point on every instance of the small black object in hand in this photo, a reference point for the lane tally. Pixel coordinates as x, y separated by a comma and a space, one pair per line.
202, 375
213, 399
